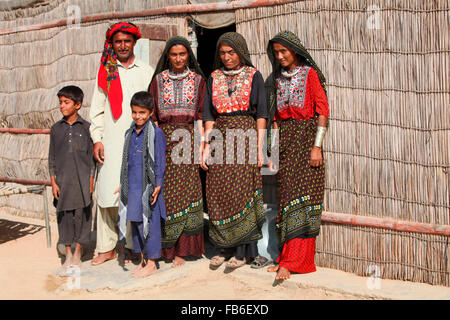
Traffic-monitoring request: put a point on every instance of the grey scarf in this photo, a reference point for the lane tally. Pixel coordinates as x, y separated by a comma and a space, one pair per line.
148, 180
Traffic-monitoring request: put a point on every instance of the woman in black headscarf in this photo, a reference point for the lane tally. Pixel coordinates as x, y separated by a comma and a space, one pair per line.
178, 87
235, 103
298, 107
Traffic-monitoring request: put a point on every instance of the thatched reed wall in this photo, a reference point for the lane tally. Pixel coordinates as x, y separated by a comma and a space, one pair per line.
387, 148
35, 65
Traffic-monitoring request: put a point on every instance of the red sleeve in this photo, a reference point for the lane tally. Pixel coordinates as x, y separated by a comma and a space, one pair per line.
153, 89
318, 94
200, 99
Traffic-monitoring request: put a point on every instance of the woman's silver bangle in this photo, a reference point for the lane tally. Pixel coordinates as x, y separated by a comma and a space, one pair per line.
319, 136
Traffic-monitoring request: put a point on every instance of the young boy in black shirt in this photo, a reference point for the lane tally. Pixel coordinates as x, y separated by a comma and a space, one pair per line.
72, 168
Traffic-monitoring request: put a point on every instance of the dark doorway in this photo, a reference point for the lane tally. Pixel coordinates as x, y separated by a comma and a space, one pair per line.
207, 39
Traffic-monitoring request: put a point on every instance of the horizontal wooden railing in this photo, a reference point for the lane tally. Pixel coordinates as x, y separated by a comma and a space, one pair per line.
176, 9
25, 130
330, 217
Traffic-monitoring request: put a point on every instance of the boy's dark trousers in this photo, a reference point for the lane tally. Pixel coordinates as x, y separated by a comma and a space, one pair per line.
74, 226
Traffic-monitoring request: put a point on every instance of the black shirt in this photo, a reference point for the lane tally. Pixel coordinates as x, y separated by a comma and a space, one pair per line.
71, 161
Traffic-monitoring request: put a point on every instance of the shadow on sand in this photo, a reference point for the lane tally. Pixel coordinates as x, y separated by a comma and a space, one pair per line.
12, 230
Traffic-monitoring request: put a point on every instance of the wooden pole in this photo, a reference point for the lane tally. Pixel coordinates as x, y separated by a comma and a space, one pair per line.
333, 217
25, 130
26, 181
47, 220
388, 224
178, 9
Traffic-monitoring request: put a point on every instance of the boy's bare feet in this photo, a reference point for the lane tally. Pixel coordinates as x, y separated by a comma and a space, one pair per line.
68, 262
76, 259
149, 269
140, 266
178, 261
103, 257
69, 257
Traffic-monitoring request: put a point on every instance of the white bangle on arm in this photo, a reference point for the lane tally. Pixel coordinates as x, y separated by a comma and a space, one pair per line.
320, 134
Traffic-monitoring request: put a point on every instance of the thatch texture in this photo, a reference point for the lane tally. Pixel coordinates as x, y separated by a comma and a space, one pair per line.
36, 65
387, 147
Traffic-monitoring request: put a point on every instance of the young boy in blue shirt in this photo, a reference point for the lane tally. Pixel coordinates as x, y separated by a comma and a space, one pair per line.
141, 182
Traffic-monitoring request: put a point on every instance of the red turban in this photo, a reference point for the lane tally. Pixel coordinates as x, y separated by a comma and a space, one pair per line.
108, 74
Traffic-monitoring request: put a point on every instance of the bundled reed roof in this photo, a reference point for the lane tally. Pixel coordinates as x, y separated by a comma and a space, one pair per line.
387, 147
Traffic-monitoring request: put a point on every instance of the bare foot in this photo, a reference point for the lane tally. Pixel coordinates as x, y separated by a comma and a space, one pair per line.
103, 257
76, 260
138, 268
149, 269
283, 274
235, 263
68, 262
178, 261
273, 268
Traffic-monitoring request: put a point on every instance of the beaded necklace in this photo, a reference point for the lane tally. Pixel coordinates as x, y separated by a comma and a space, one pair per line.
231, 77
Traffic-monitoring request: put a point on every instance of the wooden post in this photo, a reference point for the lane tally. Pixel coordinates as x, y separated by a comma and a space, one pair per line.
47, 220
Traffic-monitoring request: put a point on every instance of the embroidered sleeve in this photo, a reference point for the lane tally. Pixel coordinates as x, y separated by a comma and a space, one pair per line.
153, 89
319, 96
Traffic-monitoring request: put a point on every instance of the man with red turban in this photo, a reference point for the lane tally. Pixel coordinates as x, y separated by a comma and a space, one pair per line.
120, 75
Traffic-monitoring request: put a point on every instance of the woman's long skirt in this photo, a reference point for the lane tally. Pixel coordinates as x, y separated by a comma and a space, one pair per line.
183, 229
300, 195
234, 186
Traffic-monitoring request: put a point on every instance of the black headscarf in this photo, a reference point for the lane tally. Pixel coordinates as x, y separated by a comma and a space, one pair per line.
238, 43
292, 42
164, 63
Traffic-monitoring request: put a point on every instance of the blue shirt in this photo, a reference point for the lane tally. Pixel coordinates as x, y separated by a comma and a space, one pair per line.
136, 171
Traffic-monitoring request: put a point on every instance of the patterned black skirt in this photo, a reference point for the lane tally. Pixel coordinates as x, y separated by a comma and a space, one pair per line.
300, 186
234, 188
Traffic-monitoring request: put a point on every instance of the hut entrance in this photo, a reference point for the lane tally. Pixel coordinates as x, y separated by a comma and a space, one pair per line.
207, 39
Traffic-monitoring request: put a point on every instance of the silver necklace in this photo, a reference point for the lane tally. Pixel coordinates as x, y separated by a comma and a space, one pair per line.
288, 74
178, 76
232, 72
231, 79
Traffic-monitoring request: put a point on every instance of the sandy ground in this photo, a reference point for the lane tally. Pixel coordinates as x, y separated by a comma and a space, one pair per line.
30, 270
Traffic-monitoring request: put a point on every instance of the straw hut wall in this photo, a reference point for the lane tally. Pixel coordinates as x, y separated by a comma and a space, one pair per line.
387, 147
36, 64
